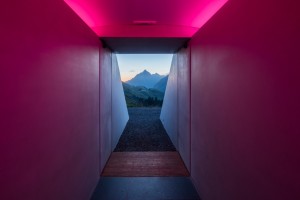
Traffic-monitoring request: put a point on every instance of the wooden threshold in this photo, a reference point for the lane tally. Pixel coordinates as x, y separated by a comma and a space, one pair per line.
145, 164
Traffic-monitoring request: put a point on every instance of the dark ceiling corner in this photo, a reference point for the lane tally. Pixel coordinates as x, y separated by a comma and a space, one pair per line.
144, 45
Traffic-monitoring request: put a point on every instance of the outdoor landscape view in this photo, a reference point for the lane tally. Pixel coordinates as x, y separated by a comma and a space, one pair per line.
145, 90
144, 78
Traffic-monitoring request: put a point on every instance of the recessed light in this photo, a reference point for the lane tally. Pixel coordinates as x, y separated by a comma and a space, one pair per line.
144, 22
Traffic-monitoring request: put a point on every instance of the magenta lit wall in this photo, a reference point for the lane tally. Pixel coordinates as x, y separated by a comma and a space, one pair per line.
245, 102
49, 105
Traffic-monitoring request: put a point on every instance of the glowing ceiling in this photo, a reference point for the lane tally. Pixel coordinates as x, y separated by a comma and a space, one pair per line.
145, 18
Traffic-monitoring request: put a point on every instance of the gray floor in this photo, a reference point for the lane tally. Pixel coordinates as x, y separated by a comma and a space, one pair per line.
144, 132
145, 188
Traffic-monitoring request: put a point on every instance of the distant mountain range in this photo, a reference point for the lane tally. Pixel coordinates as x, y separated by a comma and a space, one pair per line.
161, 84
145, 79
145, 90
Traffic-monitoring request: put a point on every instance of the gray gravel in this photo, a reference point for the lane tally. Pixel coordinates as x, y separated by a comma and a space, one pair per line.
144, 132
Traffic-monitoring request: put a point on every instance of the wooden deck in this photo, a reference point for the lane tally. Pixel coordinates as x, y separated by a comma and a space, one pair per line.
145, 164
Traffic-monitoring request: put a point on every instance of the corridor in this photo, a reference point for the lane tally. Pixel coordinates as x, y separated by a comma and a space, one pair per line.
231, 106
145, 163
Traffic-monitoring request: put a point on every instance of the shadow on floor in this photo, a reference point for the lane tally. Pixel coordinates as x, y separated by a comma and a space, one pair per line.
145, 188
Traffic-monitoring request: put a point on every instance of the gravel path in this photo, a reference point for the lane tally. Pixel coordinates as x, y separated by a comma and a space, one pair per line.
144, 132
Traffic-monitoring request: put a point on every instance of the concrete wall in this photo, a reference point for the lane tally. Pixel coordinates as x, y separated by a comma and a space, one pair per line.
183, 109
119, 109
113, 110
168, 115
105, 106
49, 105
175, 114
245, 102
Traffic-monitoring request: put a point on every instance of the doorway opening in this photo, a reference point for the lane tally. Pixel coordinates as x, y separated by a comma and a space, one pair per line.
144, 79
144, 147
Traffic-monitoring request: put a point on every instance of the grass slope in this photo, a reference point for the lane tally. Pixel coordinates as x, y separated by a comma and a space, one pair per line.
139, 96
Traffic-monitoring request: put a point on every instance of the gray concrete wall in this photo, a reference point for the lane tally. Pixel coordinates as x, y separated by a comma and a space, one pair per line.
105, 106
119, 109
183, 108
175, 114
169, 113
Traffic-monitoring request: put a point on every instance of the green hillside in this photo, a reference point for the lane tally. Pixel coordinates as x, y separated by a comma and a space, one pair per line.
139, 96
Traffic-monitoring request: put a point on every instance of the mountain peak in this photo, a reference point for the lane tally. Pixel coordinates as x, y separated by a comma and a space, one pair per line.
145, 78
145, 72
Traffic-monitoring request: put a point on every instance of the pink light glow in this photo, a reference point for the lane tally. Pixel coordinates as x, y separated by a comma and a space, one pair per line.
173, 18
81, 12
207, 11
145, 31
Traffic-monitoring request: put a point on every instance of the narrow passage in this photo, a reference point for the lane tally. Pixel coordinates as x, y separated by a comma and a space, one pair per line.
145, 164
145, 149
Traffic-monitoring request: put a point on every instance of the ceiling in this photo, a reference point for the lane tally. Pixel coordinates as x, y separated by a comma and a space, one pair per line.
144, 45
145, 26
145, 18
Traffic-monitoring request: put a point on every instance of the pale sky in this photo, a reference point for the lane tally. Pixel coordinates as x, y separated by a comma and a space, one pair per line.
132, 64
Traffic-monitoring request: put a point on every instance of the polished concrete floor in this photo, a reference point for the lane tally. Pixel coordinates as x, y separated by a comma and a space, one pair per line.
145, 188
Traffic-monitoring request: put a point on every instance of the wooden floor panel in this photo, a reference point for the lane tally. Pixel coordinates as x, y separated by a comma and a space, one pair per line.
145, 164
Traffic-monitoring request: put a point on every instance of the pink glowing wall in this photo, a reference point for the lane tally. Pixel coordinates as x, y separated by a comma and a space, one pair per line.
245, 102
49, 105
